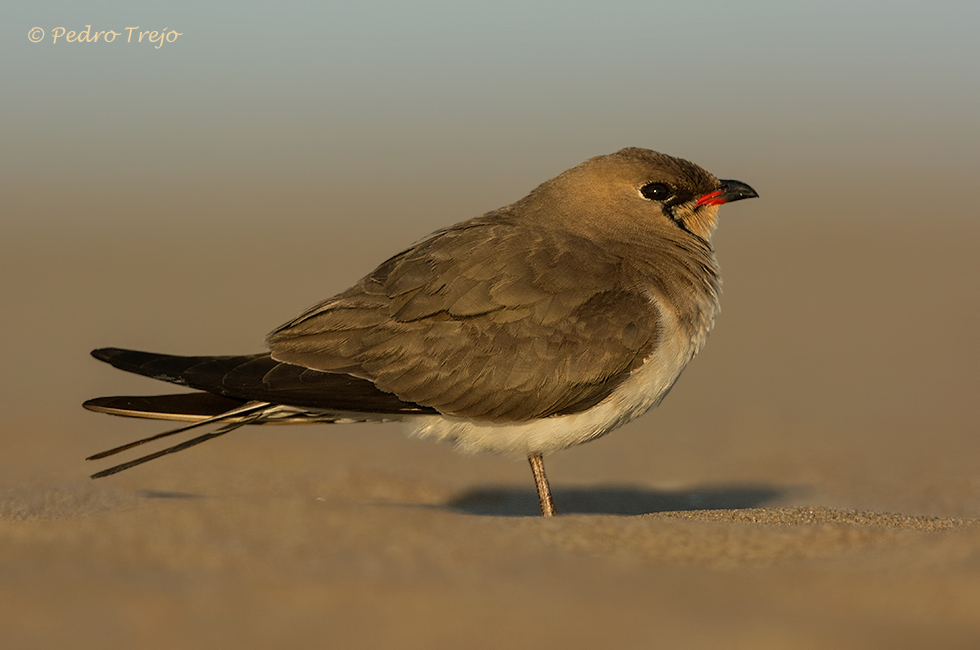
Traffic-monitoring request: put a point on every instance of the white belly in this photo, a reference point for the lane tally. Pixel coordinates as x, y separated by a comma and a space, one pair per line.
641, 391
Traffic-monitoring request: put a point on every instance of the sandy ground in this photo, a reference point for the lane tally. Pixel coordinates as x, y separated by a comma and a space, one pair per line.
812, 481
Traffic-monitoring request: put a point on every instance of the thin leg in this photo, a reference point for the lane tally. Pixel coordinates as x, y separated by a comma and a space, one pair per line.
544, 490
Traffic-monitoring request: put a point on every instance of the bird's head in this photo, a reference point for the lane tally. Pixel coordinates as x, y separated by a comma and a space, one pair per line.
637, 190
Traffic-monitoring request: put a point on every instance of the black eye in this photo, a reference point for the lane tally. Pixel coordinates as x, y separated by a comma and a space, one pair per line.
657, 191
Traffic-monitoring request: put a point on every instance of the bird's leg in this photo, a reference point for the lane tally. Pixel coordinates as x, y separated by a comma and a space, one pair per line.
544, 490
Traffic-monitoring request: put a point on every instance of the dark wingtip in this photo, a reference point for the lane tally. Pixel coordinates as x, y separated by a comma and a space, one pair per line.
106, 354
93, 404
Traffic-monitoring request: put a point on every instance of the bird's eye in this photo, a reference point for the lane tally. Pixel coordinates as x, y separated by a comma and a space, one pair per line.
657, 191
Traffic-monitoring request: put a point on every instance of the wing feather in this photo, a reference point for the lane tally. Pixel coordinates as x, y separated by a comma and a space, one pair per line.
547, 327
259, 377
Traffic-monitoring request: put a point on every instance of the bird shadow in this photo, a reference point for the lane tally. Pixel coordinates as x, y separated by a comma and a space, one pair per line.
162, 494
614, 500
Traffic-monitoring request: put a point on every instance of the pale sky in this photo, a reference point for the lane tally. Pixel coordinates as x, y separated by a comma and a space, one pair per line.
308, 94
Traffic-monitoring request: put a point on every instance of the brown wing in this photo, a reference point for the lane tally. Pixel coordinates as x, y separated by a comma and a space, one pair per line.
487, 320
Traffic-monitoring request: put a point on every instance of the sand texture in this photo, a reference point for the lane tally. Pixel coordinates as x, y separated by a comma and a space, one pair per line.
811, 482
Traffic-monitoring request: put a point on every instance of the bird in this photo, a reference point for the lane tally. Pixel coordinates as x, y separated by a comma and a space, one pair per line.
527, 330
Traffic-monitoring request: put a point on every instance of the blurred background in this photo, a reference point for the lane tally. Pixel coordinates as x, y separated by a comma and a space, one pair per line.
191, 197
